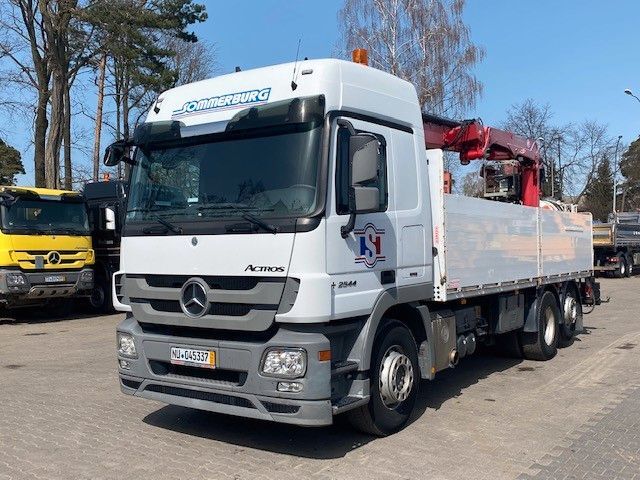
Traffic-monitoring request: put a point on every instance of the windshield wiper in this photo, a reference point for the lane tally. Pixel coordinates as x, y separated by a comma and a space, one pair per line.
172, 227
71, 231
246, 215
261, 223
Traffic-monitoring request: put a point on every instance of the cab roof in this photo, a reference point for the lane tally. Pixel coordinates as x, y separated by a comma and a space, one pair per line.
40, 192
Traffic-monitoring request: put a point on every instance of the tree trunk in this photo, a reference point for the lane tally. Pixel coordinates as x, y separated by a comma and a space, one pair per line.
102, 68
125, 118
54, 137
40, 138
66, 134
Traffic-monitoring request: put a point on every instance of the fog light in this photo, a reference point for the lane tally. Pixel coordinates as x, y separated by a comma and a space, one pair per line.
125, 365
16, 280
293, 387
86, 276
284, 362
126, 345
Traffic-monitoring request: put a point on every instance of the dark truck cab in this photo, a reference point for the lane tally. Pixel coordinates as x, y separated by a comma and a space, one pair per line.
106, 203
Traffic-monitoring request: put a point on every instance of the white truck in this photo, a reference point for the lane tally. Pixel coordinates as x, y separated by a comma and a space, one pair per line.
289, 254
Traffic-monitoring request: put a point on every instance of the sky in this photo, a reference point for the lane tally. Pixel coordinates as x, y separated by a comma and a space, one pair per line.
576, 55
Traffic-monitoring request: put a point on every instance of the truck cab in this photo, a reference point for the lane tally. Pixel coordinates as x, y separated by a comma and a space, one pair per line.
106, 203
45, 246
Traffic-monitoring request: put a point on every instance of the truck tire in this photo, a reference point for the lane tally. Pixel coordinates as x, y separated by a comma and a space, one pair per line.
571, 313
395, 381
629, 261
543, 344
100, 299
621, 267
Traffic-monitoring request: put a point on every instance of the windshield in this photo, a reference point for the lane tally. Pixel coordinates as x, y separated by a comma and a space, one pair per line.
268, 174
45, 216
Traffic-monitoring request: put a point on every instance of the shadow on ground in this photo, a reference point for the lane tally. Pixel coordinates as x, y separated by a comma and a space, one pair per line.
320, 443
44, 314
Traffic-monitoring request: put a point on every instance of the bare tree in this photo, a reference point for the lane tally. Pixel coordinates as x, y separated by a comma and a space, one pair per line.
423, 41
191, 61
24, 43
472, 185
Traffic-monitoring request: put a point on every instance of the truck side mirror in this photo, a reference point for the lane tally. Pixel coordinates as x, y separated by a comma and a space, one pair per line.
364, 161
115, 153
109, 219
364, 155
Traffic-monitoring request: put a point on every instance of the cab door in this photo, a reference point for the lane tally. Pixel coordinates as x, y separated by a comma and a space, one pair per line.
364, 263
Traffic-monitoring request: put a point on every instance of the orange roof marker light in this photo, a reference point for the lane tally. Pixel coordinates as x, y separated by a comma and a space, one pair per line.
361, 56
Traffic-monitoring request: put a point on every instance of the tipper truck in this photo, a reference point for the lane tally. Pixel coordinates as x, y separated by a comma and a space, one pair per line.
616, 244
289, 253
46, 255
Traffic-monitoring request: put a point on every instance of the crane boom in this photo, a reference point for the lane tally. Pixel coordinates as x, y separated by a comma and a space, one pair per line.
475, 141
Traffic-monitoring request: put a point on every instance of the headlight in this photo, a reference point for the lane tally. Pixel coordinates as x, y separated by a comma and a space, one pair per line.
126, 345
284, 362
16, 280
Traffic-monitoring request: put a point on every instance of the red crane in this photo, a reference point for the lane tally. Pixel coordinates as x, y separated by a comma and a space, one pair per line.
475, 141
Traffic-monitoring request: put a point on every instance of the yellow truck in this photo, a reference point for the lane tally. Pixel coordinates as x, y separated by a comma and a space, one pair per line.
45, 246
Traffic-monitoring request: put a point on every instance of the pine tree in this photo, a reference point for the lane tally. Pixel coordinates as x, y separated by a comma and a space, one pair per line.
598, 197
10, 164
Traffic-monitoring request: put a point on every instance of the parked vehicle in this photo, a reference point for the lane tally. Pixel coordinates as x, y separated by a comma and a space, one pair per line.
45, 247
616, 244
106, 202
289, 253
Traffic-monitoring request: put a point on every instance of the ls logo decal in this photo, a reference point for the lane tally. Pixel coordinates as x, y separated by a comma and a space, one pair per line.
370, 243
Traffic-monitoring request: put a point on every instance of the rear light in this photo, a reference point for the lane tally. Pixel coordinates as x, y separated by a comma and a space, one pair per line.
613, 259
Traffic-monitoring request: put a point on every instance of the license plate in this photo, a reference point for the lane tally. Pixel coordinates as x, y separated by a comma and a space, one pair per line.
195, 358
54, 278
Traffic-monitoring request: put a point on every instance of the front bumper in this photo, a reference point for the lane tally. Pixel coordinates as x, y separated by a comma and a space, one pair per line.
235, 387
37, 286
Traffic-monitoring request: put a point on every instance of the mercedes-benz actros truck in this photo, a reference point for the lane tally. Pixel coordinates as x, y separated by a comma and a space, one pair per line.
289, 253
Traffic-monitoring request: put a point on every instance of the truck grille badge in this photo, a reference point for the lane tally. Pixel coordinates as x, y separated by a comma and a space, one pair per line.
193, 298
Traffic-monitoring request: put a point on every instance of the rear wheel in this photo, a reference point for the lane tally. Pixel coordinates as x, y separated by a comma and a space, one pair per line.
543, 344
621, 266
395, 380
571, 313
629, 262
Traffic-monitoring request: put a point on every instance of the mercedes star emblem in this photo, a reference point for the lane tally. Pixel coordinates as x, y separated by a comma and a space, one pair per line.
54, 258
193, 298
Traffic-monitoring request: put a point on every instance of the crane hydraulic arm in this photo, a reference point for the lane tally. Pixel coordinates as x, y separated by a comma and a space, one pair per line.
475, 141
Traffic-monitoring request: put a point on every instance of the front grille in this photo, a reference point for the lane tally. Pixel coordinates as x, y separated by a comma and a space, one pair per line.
119, 284
200, 395
214, 282
243, 302
280, 407
184, 372
226, 309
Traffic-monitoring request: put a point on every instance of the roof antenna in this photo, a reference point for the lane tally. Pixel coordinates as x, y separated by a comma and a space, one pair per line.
294, 85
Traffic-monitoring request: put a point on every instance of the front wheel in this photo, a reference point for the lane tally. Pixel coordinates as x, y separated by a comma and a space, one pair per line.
395, 381
100, 298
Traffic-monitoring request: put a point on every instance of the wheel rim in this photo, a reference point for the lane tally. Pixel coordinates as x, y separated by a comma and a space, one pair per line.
97, 297
570, 310
396, 377
623, 268
550, 326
